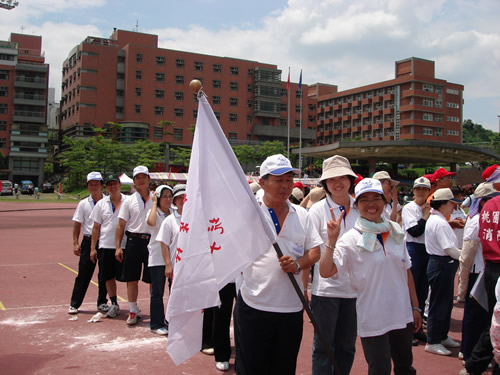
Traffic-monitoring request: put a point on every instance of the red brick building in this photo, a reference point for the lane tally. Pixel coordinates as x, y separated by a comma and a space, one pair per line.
414, 105
23, 107
129, 80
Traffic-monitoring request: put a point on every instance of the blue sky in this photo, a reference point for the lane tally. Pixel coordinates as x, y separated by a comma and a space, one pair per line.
348, 43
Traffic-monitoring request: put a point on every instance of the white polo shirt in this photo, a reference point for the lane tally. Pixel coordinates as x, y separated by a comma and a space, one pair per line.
410, 216
458, 213
380, 280
336, 286
265, 286
471, 233
438, 234
82, 214
103, 214
168, 233
154, 247
134, 211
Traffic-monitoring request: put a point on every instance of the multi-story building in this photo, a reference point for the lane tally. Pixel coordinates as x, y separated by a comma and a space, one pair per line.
23, 107
127, 79
414, 105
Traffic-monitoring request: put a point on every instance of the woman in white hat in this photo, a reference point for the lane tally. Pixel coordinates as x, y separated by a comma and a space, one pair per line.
440, 244
334, 300
374, 257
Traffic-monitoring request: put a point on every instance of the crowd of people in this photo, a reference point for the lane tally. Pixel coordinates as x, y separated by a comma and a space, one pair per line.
378, 270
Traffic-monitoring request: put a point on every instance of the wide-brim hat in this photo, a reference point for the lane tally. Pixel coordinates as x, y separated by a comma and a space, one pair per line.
336, 166
445, 194
315, 195
486, 189
179, 189
297, 194
384, 175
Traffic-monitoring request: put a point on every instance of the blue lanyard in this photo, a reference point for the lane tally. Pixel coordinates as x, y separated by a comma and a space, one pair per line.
276, 222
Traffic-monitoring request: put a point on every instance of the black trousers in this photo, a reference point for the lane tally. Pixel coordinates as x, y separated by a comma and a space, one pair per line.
482, 354
85, 271
222, 322
267, 342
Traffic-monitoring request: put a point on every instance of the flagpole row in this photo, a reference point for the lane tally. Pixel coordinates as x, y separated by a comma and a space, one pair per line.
326, 347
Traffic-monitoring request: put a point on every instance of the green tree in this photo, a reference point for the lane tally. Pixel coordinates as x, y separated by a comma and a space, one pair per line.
269, 148
246, 156
182, 156
145, 152
76, 160
475, 133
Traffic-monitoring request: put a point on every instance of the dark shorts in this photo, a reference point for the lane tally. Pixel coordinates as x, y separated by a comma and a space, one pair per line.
109, 266
135, 260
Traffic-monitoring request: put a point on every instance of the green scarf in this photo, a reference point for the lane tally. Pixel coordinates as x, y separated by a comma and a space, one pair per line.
369, 231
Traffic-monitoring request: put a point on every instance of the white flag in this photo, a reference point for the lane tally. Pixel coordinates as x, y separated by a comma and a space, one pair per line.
223, 230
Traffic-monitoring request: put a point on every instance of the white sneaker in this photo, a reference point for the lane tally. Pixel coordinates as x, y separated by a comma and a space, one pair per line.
463, 372
436, 349
208, 351
460, 355
72, 310
222, 366
160, 331
450, 343
103, 307
113, 311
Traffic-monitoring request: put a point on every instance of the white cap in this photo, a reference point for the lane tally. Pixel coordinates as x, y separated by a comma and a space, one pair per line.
179, 189
367, 185
277, 165
422, 182
160, 188
383, 175
96, 176
445, 194
141, 169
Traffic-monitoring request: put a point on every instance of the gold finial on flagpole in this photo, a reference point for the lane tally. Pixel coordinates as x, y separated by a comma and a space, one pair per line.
196, 86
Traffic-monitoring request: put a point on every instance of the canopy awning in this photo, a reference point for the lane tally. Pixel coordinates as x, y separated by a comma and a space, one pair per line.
126, 180
168, 176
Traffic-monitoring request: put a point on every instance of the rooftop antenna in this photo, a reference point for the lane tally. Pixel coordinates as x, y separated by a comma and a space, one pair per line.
22, 29
137, 26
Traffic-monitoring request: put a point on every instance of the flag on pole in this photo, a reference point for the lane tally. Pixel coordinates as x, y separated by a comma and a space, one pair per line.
59, 190
288, 81
222, 231
300, 80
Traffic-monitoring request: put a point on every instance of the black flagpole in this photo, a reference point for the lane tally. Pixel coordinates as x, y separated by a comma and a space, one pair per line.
309, 313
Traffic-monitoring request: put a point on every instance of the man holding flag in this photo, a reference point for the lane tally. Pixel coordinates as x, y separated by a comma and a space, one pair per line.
268, 313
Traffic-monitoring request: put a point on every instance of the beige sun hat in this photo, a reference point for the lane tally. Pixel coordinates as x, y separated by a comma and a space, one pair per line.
297, 194
384, 175
336, 166
315, 195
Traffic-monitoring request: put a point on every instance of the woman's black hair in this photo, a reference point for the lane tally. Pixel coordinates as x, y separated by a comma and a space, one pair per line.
437, 204
351, 188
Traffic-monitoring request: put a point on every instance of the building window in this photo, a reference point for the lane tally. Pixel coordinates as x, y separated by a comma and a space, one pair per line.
234, 70
138, 57
179, 95
118, 109
216, 84
298, 93
217, 115
233, 117
249, 119
138, 74
137, 108
232, 138
179, 112
250, 88
160, 60
3, 108
195, 98
452, 92
158, 110
4, 74
297, 123
4, 91
427, 87
311, 118
438, 103
250, 73
160, 77
179, 63
195, 113
217, 68
3, 125
233, 86
250, 103
428, 117
438, 132
179, 79
215, 99
157, 132
428, 102
452, 105
233, 102
283, 107
438, 117
159, 94
137, 91
427, 131
452, 118
297, 109
178, 134
198, 65
452, 132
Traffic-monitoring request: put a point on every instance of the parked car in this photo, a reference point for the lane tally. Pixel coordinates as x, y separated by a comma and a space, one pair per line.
6, 187
24, 186
47, 187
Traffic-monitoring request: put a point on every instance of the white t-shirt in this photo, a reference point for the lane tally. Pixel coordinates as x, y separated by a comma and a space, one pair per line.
458, 213
388, 210
265, 286
103, 214
411, 214
134, 211
168, 233
154, 247
438, 234
82, 214
380, 279
471, 233
337, 286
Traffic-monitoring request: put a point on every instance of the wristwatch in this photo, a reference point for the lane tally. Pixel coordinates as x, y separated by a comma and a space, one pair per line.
298, 268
